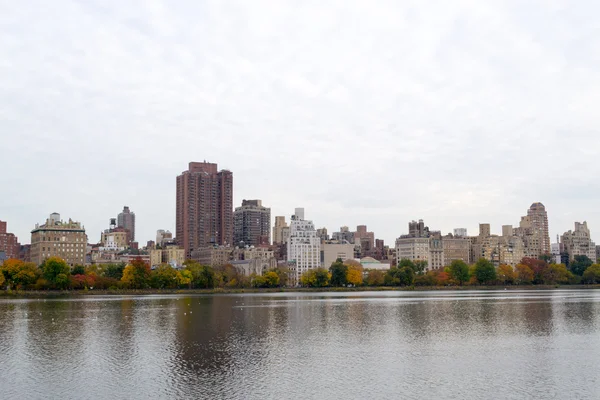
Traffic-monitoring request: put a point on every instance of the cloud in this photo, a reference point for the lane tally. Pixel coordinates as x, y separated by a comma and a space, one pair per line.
362, 112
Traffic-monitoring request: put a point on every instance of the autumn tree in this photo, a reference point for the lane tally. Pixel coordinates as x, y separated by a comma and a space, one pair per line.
56, 271
202, 276
355, 276
114, 271
592, 274
184, 278
339, 273
427, 279
18, 273
318, 277
271, 279
506, 274
524, 274
485, 271
375, 278
136, 275
557, 273
459, 271
538, 267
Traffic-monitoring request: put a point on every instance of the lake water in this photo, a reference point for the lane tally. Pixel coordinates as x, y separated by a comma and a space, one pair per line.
368, 345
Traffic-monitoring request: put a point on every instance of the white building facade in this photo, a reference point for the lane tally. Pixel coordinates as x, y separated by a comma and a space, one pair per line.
303, 246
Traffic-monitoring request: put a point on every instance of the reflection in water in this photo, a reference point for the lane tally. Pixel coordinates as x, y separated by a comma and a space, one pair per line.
513, 344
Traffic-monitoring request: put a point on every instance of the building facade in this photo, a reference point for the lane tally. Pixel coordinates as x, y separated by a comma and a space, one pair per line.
57, 238
126, 220
252, 224
278, 230
9, 244
204, 213
303, 246
332, 250
533, 231
578, 242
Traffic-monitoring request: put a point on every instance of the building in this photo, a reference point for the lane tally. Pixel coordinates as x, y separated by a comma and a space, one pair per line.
412, 248
323, 235
332, 250
252, 224
578, 242
280, 230
163, 236
533, 231
303, 247
115, 240
172, 255
57, 238
418, 229
126, 220
215, 256
460, 232
456, 248
9, 244
344, 235
369, 263
204, 213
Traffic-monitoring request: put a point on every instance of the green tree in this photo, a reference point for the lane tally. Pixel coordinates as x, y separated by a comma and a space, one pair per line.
318, 277
406, 275
164, 277
78, 270
485, 271
580, 264
459, 271
114, 271
339, 273
202, 276
271, 279
53, 267
557, 273
420, 266
284, 275
592, 274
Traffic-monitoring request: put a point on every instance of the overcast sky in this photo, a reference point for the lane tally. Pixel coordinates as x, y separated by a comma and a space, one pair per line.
363, 112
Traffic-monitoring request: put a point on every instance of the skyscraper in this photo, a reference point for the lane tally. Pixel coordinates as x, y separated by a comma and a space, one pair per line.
278, 230
533, 230
204, 214
126, 220
252, 224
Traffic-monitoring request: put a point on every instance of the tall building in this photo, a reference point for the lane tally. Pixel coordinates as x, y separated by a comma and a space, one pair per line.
163, 236
303, 247
533, 231
126, 220
332, 250
418, 229
343, 235
9, 244
57, 238
252, 224
204, 214
278, 229
578, 242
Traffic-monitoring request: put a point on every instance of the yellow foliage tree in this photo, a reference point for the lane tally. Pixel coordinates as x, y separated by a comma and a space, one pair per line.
355, 276
506, 274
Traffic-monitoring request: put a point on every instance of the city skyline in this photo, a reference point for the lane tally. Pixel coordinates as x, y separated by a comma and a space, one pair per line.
368, 113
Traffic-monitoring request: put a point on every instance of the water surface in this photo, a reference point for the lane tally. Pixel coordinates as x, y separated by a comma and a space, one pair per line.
379, 345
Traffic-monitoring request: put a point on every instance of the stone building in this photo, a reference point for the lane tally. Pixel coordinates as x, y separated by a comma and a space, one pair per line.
57, 238
9, 244
252, 224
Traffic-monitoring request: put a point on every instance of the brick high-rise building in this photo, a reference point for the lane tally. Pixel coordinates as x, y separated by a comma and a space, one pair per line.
252, 224
126, 220
204, 215
9, 243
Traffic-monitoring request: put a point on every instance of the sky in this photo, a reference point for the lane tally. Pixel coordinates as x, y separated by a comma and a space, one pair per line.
362, 112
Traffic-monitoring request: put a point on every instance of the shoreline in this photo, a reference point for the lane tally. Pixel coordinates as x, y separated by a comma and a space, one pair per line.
150, 292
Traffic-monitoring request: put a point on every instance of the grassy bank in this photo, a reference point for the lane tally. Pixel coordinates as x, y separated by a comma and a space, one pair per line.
138, 292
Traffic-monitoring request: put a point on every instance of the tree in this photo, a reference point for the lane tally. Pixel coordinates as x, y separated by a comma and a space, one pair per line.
164, 277
18, 273
485, 271
506, 274
406, 275
2, 280
271, 279
318, 277
284, 275
184, 278
580, 264
557, 273
391, 277
592, 274
355, 276
78, 270
375, 278
339, 273
136, 274
538, 267
459, 271
420, 266
114, 271
524, 274
427, 279
56, 271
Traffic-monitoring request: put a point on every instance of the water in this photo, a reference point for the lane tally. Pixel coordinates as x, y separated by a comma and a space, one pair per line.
374, 345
